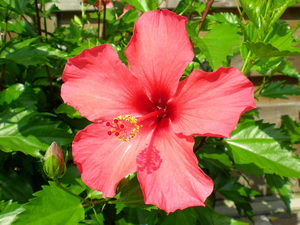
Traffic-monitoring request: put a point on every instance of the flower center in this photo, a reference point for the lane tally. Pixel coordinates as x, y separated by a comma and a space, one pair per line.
162, 112
123, 127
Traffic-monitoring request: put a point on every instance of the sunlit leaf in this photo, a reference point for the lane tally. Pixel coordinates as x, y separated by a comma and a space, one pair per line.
32, 134
69, 110
144, 5
51, 205
20, 27
218, 43
279, 90
17, 96
15, 5
257, 148
264, 51
252, 9
9, 211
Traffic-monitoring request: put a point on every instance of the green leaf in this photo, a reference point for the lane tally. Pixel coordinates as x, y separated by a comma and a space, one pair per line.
249, 116
190, 6
224, 18
127, 21
279, 90
264, 51
75, 30
92, 194
218, 43
247, 208
15, 5
192, 29
232, 190
21, 52
32, 134
179, 217
69, 110
9, 211
20, 27
276, 64
133, 216
280, 36
267, 66
287, 68
52, 205
207, 215
49, 51
130, 194
85, 45
252, 9
291, 128
214, 159
257, 148
282, 187
293, 2
144, 5
15, 187
17, 96
250, 33
278, 11
72, 180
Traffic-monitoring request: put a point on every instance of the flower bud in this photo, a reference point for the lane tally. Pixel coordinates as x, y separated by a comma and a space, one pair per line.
55, 166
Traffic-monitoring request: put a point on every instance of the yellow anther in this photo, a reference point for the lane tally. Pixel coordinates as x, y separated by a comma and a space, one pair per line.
124, 127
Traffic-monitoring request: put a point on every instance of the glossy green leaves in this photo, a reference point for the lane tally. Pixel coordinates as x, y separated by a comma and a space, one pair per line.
52, 205
259, 148
223, 36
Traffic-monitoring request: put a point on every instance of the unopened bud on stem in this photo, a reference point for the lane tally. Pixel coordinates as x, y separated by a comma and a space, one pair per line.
55, 166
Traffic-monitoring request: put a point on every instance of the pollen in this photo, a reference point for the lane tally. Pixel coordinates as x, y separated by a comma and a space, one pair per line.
123, 127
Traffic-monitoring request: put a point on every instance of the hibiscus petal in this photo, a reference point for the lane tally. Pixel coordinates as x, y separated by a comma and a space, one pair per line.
104, 160
210, 104
177, 182
100, 86
158, 52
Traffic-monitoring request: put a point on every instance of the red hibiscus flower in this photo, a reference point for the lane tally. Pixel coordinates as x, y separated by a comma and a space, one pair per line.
144, 118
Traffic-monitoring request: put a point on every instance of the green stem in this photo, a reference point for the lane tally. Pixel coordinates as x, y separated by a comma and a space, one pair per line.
241, 14
115, 11
96, 215
247, 66
207, 7
263, 84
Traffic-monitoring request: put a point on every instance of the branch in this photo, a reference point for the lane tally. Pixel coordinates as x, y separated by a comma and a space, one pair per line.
208, 5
